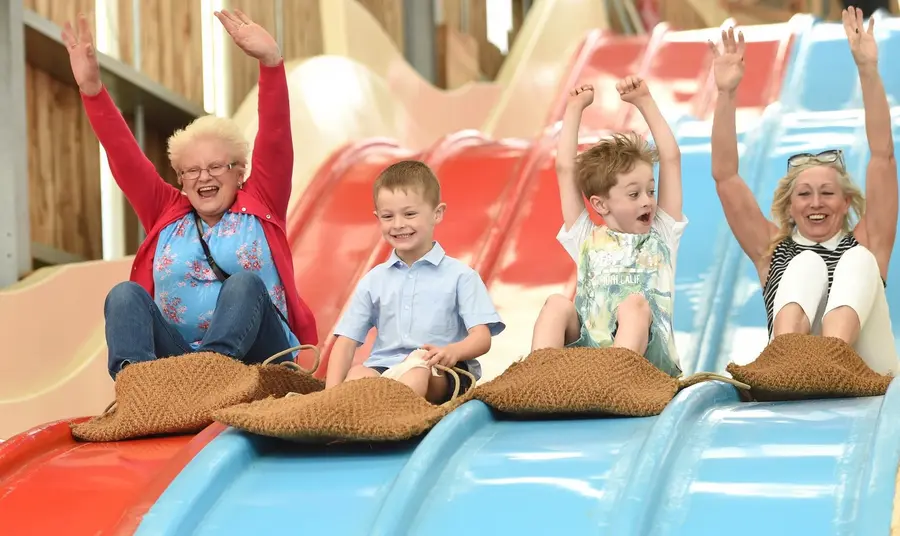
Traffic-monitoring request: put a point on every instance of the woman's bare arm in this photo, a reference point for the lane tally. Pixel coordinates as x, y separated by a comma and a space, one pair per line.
752, 230
877, 229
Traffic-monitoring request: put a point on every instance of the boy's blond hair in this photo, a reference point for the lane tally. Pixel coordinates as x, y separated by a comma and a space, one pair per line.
597, 169
409, 175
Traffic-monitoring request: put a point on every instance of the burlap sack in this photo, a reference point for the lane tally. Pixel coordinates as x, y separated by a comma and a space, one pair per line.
797, 367
367, 410
586, 381
177, 395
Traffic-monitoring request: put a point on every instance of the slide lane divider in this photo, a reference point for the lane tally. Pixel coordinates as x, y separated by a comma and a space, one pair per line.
671, 430
198, 485
425, 465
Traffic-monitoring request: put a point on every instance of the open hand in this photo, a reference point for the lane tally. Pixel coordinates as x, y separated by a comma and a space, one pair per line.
632, 89
581, 97
862, 39
252, 38
82, 55
728, 65
435, 355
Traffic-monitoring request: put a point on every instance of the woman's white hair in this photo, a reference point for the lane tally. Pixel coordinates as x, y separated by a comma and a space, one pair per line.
208, 127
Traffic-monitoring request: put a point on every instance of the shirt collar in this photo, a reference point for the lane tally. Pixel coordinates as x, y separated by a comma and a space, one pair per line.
434, 256
831, 244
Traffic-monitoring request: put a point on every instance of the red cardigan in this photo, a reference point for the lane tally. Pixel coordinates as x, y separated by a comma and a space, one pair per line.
158, 203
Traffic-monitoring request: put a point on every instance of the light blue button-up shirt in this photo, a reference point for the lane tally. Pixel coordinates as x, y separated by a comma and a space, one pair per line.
434, 301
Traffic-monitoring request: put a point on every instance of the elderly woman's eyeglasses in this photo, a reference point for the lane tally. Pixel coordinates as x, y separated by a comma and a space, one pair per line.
215, 170
825, 157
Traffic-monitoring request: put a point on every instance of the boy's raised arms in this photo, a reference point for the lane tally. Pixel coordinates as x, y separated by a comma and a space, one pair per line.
567, 149
635, 91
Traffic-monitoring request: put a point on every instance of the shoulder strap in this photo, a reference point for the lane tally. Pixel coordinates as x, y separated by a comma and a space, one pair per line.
221, 274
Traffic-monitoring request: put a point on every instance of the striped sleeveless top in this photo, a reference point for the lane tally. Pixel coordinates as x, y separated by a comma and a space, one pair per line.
791, 247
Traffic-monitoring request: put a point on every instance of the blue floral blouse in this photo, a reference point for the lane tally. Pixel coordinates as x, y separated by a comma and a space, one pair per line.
185, 287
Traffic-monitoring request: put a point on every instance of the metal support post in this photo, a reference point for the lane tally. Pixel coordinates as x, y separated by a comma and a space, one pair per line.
419, 37
15, 232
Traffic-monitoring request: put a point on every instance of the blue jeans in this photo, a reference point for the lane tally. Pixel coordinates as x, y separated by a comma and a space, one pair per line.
245, 325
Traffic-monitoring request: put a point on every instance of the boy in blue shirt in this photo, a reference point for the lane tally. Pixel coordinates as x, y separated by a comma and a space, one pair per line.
428, 309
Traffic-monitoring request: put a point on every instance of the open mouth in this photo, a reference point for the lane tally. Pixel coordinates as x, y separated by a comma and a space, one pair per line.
208, 191
402, 237
816, 218
644, 218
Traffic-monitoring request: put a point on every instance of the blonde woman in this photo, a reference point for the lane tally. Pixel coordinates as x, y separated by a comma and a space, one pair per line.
820, 274
215, 272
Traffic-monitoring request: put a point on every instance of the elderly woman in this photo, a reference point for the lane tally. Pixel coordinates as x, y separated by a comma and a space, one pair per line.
820, 275
215, 271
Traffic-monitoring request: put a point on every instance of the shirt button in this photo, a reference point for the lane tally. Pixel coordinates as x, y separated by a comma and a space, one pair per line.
268, 216
243, 209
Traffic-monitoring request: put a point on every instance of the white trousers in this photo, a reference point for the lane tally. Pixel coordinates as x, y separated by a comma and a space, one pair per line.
857, 284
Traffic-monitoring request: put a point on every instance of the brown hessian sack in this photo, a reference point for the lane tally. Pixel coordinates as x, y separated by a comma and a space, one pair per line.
797, 367
586, 381
363, 410
178, 395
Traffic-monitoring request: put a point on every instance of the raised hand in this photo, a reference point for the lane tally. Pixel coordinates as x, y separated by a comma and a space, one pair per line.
861, 39
252, 38
728, 65
632, 89
581, 97
83, 56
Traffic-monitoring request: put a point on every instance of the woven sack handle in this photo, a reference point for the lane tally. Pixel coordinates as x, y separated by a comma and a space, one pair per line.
290, 364
295, 366
705, 376
455, 371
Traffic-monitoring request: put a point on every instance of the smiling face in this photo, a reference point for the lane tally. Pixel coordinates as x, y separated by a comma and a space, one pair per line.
212, 192
819, 205
407, 221
630, 205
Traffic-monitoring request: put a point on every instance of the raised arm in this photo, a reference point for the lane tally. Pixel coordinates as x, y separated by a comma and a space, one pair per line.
878, 227
147, 192
748, 224
566, 150
273, 150
635, 91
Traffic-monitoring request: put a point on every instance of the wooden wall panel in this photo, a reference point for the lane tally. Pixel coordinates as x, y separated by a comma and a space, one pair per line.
302, 29
302, 38
389, 13
171, 43
63, 168
61, 11
63, 154
244, 70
